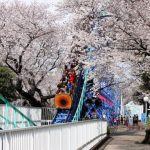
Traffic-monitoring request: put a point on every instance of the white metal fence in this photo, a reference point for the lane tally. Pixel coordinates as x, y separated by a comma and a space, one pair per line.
32, 113
47, 115
40, 116
71, 136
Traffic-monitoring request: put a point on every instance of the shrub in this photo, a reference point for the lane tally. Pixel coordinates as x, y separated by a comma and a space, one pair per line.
7, 88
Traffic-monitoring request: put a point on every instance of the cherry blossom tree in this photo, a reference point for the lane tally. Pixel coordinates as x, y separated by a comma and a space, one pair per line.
89, 38
30, 47
128, 28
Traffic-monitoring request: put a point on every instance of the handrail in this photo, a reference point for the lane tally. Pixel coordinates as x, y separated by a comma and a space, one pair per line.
7, 120
8, 104
78, 111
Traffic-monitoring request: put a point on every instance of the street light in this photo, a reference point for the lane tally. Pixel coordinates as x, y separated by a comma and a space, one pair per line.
146, 99
148, 108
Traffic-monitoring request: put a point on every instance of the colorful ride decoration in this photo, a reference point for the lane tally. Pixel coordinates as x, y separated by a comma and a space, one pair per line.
63, 101
104, 99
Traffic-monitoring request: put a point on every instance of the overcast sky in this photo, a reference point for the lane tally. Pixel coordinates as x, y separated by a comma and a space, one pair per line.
51, 2
41, 1
44, 1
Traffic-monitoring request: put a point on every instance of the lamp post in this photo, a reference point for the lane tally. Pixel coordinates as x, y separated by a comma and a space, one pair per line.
146, 99
148, 110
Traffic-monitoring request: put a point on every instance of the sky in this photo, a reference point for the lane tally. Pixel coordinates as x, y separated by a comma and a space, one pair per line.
52, 3
41, 1
52, 8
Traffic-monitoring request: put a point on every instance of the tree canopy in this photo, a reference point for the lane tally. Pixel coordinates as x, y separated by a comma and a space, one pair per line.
35, 44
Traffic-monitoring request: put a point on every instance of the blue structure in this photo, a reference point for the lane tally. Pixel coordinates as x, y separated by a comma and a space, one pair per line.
112, 93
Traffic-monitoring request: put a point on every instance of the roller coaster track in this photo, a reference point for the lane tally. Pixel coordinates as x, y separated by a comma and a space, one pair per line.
73, 114
77, 114
16, 111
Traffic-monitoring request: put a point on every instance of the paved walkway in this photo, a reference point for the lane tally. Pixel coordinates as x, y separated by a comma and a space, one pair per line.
125, 139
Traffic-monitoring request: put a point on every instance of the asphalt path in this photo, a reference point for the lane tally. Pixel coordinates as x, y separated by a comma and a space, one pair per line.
125, 139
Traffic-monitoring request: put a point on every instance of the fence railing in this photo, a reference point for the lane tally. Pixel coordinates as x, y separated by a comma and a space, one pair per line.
47, 115
12, 117
71, 136
40, 116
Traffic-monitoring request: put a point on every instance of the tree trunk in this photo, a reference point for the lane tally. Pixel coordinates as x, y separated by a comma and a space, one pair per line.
30, 98
147, 137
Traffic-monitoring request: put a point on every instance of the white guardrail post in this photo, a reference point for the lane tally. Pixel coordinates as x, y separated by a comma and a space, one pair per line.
71, 136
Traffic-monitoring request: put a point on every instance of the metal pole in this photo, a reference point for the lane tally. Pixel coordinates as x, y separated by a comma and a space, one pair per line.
121, 110
6, 116
146, 108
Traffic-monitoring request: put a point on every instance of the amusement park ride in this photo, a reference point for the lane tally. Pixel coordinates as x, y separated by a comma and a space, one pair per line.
78, 101
82, 104
78, 104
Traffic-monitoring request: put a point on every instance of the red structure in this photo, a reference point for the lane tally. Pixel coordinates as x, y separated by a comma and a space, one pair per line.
102, 98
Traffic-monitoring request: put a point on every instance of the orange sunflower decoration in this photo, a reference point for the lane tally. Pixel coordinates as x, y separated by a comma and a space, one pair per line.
63, 101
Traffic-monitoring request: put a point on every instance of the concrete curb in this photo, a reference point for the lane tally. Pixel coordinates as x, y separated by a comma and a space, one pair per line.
102, 144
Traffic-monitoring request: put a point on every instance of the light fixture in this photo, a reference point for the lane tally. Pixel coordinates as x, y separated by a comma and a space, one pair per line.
145, 99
